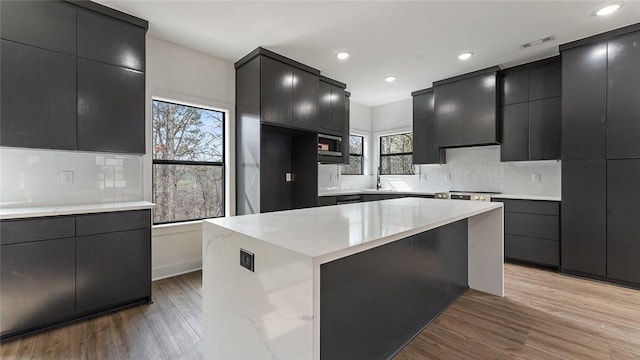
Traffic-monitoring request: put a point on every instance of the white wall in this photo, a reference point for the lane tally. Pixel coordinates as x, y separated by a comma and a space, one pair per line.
467, 169
181, 74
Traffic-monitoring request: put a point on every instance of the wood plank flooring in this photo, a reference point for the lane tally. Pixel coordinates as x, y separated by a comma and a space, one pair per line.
543, 316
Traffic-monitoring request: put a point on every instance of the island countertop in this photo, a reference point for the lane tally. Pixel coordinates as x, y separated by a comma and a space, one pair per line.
335, 231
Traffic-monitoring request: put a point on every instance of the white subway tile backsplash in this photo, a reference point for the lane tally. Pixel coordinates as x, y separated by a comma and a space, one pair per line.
32, 177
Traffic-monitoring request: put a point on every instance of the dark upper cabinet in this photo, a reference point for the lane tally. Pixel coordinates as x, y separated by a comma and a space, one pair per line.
584, 102
623, 227
424, 149
448, 114
515, 88
465, 110
276, 82
325, 107
332, 102
110, 108
545, 128
45, 24
545, 81
479, 102
111, 41
515, 132
623, 97
584, 217
38, 91
306, 89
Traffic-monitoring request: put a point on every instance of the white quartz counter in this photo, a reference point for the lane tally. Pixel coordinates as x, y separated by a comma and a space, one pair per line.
335, 231
53, 210
373, 191
526, 197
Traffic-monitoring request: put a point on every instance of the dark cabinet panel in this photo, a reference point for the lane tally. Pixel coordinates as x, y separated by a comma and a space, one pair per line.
305, 100
304, 166
275, 155
424, 148
111, 108
110, 41
584, 217
276, 84
327, 200
623, 97
545, 81
38, 98
545, 129
325, 106
27, 230
448, 114
111, 222
532, 225
332, 108
515, 132
532, 250
339, 110
515, 87
112, 269
530, 206
45, 24
584, 102
423, 106
38, 284
479, 110
623, 213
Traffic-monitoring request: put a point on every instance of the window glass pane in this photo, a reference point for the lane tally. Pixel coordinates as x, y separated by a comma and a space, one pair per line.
354, 167
182, 132
396, 165
396, 144
355, 144
187, 192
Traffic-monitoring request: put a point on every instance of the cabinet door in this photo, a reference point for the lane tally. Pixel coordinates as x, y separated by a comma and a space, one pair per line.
275, 160
515, 132
112, 269
423, 106
110, 41
623, 97
545, 128
38, 284
276, 82
583, 217
324, 106
623, 213
515, 87
305, 100
339, 110
110, 108
346, 126
479, 122
38, 98
584, 102
448, 114
424, 148
545, 81
46, 24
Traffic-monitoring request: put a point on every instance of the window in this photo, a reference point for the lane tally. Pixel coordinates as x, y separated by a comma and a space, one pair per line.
355, 166
188, 162
396, 154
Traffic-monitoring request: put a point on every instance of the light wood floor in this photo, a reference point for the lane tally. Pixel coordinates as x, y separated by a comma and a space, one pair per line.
543, 316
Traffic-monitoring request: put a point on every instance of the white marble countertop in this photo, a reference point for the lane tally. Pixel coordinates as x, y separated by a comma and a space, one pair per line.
324, 231
372, 191
526, 197
54, 210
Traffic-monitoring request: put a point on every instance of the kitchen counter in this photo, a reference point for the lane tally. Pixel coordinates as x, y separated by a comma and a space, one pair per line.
373, 191
55, 210
526, 197
275, 310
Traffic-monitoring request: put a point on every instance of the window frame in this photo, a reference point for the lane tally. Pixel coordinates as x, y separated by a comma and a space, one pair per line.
361, 155
381, 155
220, 164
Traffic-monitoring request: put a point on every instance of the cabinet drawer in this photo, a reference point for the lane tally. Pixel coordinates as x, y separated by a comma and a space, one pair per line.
26, 230
532, 225
531, 206
112, 222
539, 251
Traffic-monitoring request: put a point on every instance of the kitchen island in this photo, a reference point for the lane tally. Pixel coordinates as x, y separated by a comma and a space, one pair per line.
346, 281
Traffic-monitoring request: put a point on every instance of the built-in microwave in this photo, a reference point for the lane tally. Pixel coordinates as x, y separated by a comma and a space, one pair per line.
329, 145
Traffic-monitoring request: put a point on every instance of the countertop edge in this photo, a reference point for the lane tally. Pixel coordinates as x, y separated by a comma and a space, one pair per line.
526, 197
42, 211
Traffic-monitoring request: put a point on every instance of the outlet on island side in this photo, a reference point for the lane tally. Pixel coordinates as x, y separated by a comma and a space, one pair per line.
247, 260
67, 178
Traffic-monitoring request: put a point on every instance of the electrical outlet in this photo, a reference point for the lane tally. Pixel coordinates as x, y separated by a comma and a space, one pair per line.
447, 177
247, 260
536, 177
67, 177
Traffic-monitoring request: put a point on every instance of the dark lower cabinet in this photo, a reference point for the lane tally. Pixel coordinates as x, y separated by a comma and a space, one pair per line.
584, 217
623, 220
112, 269
110, 108
38, 93
38, 284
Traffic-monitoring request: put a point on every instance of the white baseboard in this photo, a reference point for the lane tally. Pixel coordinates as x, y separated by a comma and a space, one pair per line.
167, 271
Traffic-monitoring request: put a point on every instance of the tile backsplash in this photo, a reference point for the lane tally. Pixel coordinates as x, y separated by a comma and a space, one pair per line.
467, 169
32, 177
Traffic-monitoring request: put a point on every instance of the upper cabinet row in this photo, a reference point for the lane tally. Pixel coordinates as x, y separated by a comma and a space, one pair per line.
72, 77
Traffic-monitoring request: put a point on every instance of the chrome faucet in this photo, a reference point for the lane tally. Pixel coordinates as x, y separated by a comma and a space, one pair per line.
378, 183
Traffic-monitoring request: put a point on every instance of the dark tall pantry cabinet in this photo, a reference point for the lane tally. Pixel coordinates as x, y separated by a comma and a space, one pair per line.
601, 156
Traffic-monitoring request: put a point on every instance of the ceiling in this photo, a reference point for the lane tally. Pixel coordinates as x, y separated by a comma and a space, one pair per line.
417, 41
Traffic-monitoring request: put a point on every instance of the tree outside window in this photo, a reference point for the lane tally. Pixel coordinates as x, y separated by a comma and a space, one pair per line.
188, 162
396, 154
356, 166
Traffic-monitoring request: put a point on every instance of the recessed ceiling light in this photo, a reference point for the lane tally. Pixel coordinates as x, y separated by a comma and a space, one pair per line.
390, 78
343, 55
608, 9
465, 56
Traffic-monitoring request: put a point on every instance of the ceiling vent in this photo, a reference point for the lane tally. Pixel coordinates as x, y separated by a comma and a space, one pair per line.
536, 42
